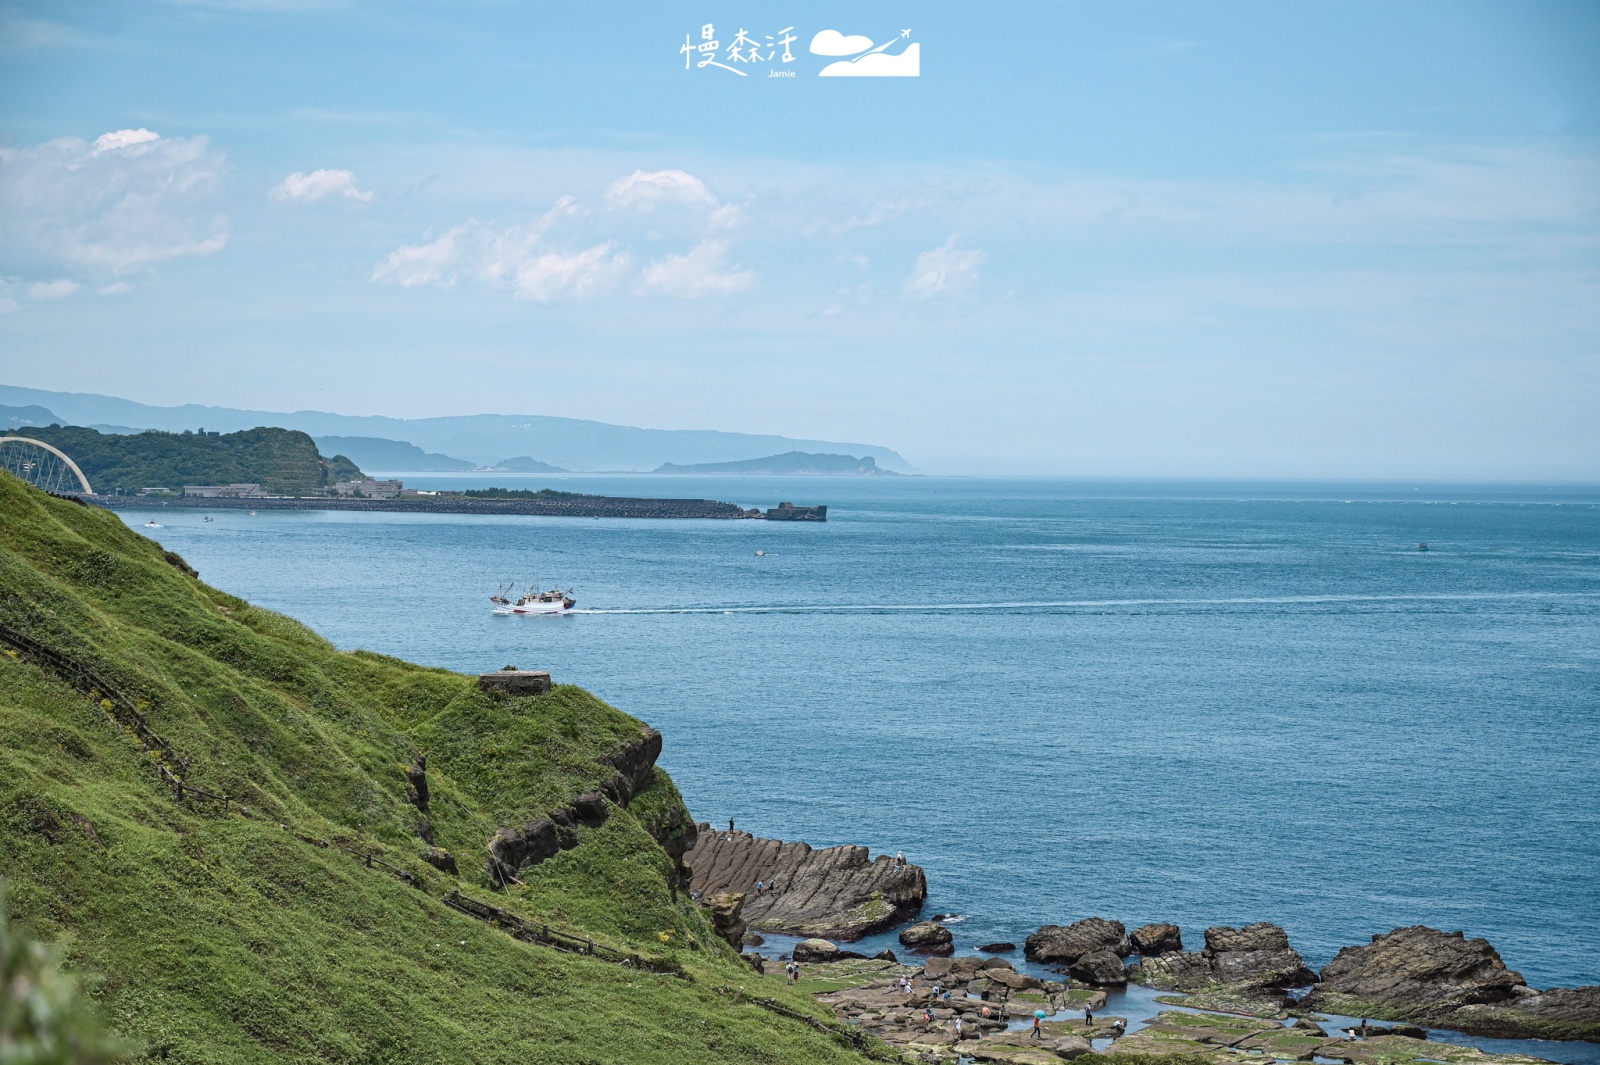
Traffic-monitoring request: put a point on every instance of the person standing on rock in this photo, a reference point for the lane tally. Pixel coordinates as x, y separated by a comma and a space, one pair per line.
1037, 1033
1088, 1015
958, 1027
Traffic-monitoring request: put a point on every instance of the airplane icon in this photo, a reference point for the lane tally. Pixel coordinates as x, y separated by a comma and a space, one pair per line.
905, 33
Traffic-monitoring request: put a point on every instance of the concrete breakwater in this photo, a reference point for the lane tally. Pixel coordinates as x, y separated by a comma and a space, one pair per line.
575, 506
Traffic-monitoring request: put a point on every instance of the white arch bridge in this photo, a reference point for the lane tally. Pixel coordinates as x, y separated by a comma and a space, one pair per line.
42, 465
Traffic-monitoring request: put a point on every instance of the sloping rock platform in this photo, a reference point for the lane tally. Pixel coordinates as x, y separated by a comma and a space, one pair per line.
834, 893
1449, 981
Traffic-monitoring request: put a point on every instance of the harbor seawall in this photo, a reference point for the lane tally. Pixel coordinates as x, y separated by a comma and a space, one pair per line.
570, 507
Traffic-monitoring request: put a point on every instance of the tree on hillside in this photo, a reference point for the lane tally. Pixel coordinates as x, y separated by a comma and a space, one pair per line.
45, 1019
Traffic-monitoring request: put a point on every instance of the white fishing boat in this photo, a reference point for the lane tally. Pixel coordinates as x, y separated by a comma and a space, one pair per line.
153, 524
554, 601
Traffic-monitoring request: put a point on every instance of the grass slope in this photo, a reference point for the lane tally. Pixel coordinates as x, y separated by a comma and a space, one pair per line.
210, 937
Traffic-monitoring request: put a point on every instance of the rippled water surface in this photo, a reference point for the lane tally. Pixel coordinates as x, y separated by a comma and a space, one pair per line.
1203, 703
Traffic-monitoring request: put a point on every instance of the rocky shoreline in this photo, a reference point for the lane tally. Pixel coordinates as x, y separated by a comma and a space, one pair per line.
835, 893
1419, 976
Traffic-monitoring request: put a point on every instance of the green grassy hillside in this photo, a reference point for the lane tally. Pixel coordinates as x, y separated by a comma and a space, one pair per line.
211, 935
283, 461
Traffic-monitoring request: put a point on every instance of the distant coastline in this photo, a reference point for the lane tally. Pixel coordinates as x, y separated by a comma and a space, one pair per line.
562, 505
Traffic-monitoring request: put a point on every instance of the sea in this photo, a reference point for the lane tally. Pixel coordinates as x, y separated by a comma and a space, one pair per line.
1198, 702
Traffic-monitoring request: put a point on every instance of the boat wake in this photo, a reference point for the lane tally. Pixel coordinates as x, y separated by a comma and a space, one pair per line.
1091, 604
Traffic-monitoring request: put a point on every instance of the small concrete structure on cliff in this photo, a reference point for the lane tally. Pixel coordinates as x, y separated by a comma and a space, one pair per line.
516, 681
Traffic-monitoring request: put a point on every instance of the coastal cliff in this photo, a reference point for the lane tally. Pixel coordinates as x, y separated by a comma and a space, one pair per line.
262, 848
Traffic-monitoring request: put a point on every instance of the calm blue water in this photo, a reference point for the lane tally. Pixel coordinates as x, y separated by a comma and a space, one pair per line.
1202, 703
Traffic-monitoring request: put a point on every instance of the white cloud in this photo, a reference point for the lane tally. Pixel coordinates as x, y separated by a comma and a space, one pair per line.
123, 138
553, 276
52, 290
699, 273
319, 185
118, 288
423, 264
944, 271
832, 42
646, 189
7, 305
908, 64
129, 199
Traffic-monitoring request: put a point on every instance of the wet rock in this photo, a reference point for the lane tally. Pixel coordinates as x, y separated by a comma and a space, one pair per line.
886, 955
838, 892
1100, 968
997, 948
1154, 939
726, 911
928, 937
1014, 980
1559, 1013
1182, 970
1258, 955
754, 939
1065, 944
815, 950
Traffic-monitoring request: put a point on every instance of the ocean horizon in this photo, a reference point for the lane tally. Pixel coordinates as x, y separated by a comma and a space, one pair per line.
1206, 702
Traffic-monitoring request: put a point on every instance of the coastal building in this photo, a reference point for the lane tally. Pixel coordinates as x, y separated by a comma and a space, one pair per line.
223, 491
790, 512
368, 488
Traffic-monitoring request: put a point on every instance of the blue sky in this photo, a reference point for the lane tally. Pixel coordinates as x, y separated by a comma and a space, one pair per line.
1236, 239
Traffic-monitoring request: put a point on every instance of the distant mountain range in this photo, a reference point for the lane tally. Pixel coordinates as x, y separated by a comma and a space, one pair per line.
22, 417
479, 439
375, 453
790, 463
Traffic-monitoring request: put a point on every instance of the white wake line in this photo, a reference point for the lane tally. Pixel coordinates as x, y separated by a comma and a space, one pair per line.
1081, 603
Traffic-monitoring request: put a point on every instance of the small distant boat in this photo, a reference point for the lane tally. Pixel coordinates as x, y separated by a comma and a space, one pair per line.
531, 602
761, 554
206, 518
153, 524
252, 513
1422, 547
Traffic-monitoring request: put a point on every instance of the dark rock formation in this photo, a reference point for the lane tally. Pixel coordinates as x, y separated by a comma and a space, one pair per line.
515, 682
886, 955
840, 892
1415, 973
514, 849
754, 939
997, 948
963, 968
1255, 963
1181, 970
726, 911
441, 860
1154, 939
1065, 944
1100, 968
1446, 980
928, 937
1257, 954
417, 778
